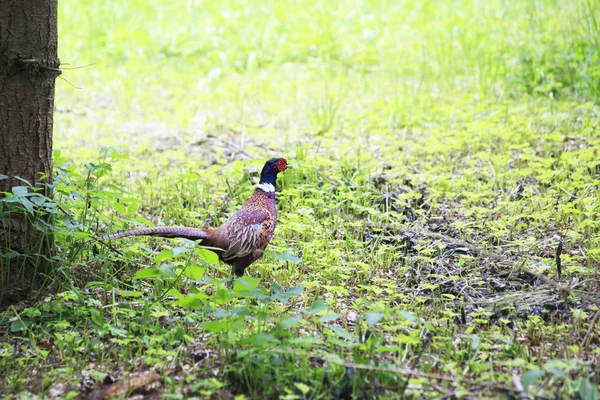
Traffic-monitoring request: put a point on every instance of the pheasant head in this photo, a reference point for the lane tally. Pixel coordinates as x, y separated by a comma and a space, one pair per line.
268, 176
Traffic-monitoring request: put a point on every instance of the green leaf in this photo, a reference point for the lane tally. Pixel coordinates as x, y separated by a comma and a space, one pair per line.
223, 296
97, 318
175, 293
208, 256
530, 377
27, 204
318, 306
288, 322
329, 317
407, 316
179, 250
288, 257
130, 293
25, 181
244, 284
407, 339
119, 207
19, 190
341, 332
82, 235
587, 390
475, 341
557, 373
163, 255
302, 387
192, 301
264, 339
214, 326
118, 332
19, 325
373, 318
194, 272
295, 291
71, 395
333, 358
148, 273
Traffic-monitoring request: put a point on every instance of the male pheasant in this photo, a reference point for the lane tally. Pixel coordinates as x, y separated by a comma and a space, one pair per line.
242, 239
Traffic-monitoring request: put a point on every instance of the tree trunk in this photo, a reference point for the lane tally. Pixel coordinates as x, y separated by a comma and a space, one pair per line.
28, 68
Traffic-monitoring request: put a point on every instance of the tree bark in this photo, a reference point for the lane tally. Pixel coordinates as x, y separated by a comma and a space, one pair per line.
28, 69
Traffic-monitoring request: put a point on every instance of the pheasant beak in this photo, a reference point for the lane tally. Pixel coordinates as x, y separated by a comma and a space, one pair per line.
287, 166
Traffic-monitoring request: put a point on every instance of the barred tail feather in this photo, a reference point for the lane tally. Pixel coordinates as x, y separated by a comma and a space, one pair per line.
162, 231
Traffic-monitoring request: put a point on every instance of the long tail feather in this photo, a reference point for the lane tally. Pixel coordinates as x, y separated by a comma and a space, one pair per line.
162, 231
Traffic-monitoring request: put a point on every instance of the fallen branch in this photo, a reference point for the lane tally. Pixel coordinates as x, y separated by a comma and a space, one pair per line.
588, 334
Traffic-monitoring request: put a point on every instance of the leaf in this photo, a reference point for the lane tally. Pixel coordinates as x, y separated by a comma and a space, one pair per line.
329, 317
373, 318
223, 296
148, 273
214, 326
557, 373
174, 293
19, 325
475, 341
318, 306
341, 332
119, 207
163, 255
288, 257
288, 322
97, 318
530, 377
25, 181
192, 301
194, 272
116, 331
208, 256
303, 388
587, 390
295, 291
244, 284
407, 316
407, 339
81, 235
264, 339
333, 358
130, 293
39, 200
27, 204
179, 250
19, 190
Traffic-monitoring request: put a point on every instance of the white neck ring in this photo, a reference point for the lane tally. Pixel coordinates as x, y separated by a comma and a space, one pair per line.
266, 187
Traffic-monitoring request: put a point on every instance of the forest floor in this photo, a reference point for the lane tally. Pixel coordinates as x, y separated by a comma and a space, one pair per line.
438, 237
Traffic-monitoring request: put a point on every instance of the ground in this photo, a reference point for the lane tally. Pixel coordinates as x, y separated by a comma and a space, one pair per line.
438, 236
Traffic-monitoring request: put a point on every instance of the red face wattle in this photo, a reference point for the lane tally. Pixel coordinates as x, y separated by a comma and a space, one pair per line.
282, 165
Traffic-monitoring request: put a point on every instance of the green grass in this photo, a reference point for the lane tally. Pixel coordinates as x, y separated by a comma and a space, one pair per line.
423, 136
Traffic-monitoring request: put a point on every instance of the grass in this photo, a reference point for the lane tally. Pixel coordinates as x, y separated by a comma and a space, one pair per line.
442, 151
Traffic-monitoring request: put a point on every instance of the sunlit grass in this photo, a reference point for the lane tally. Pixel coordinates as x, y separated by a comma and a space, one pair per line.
475, 120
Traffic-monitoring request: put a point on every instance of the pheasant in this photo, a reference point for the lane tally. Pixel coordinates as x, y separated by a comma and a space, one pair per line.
242, 239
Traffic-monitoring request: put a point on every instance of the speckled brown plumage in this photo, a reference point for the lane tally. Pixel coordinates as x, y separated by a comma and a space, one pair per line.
242, 238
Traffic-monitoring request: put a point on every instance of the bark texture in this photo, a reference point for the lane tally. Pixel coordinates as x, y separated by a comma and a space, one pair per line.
28, 69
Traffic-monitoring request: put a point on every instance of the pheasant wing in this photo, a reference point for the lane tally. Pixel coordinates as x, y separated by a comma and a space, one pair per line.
246, 233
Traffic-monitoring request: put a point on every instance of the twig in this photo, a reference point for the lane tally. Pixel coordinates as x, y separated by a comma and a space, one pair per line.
588, 334
558, 263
